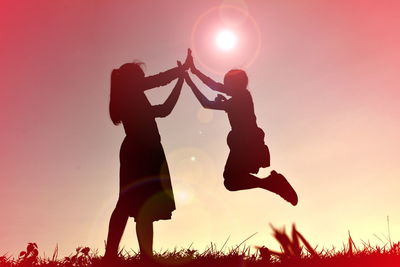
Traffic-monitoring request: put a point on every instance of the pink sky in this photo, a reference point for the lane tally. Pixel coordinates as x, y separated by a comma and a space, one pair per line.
325, 82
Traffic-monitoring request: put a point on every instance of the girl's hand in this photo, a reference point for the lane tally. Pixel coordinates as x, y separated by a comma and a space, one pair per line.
189, 60
220, 98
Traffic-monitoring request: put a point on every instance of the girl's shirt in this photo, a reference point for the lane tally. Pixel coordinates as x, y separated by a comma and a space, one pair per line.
240, 111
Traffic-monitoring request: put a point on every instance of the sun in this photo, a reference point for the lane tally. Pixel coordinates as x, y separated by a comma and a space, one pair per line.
226, 40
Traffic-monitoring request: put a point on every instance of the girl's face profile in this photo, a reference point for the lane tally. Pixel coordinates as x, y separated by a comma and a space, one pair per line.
228, 86
235, 81
232, 85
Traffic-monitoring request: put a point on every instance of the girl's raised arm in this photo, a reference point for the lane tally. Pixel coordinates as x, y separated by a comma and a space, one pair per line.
204, 101
216, 86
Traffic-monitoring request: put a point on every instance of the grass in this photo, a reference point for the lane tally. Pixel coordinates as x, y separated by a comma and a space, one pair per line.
295, 251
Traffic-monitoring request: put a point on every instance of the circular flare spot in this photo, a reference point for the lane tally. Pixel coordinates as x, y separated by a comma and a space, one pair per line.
227, 28
226, 40
205, 115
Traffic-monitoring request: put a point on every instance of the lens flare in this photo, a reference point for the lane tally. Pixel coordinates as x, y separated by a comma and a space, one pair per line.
226, 40
225, 36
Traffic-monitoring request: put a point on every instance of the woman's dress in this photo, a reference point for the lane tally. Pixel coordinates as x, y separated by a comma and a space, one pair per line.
145, 190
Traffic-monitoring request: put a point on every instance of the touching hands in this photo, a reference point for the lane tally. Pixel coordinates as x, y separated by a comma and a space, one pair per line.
193, 68
185, 74
188, 61
220, 98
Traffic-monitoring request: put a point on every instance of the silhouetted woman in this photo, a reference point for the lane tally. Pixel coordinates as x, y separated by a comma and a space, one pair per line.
145, 190
248, 152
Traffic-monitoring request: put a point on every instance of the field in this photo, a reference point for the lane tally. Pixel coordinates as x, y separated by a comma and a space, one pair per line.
295, 251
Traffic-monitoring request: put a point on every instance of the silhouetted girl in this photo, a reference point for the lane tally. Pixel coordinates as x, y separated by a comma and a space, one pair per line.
145, 190
248, 152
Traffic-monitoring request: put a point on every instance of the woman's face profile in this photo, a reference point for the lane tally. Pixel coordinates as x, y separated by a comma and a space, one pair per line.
131, 74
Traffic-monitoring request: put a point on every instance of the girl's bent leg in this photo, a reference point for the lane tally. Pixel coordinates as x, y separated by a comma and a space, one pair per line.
116, 228
275, 183
236, 180
144, 232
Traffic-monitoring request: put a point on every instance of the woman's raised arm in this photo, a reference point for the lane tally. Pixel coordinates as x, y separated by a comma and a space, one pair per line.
164, 78
165, 109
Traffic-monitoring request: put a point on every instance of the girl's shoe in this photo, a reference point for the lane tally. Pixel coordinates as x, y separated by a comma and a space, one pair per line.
278, 184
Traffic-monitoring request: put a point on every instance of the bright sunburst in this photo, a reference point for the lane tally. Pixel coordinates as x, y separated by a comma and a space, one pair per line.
226, 40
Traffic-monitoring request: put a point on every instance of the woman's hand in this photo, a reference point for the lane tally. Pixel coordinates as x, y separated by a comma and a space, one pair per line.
193, 68
185, 73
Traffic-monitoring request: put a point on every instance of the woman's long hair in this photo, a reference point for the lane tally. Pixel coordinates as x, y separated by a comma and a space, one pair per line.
123, 81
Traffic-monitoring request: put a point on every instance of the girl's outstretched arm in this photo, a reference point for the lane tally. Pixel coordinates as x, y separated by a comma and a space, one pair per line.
165, 109
216, 86
164, 78
204, 101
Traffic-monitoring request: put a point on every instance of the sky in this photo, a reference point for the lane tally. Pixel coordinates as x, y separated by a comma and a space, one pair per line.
324, 76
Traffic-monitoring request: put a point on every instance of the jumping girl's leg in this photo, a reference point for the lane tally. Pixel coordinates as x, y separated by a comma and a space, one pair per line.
237, 178
116, 228
235, 181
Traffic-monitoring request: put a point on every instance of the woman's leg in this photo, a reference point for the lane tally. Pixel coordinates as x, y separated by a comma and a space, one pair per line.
116, 228
144, 232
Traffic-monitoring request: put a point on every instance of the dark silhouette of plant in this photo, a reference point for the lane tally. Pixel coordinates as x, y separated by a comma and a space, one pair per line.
295, 251
30, 256
5, 261
81, 258
290, 245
